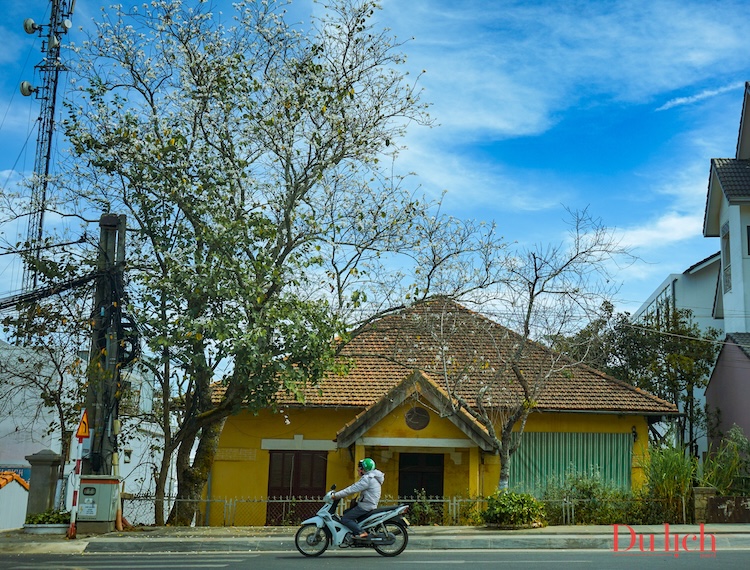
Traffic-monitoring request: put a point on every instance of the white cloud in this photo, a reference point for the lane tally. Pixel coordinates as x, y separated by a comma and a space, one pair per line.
509, 68
665, 231
706, 94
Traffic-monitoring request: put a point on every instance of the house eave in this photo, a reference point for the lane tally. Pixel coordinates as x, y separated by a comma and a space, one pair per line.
644, 413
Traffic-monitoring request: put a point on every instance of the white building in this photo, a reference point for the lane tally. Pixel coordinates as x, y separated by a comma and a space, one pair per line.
693, 289
717, 289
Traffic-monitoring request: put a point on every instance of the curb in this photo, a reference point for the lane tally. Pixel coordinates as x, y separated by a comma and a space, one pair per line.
558, 542
239, 539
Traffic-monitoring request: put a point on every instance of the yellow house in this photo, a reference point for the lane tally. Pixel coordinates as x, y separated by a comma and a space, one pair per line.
409, 400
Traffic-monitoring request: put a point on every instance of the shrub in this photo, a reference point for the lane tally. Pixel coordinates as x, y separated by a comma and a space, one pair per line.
513, 509
669, 479
470, 513
425, 512
643, 508
49, 517
725, 469
586, 496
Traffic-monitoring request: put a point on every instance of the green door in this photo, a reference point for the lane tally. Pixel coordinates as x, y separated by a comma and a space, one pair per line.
550, 456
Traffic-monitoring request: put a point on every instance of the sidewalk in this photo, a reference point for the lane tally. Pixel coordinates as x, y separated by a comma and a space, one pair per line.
244, 539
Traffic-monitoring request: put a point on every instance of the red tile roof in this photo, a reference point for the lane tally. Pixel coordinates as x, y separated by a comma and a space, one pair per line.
465, 353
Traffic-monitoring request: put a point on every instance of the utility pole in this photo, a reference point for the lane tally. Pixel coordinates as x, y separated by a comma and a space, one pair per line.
49, 69
105, 359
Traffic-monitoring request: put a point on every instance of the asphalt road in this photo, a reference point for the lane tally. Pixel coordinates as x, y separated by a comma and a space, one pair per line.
409, 560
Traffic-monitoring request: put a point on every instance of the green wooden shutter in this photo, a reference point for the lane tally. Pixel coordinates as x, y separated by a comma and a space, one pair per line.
544, 456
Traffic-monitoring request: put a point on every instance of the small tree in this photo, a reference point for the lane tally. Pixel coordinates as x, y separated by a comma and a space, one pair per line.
727, 468
549, 290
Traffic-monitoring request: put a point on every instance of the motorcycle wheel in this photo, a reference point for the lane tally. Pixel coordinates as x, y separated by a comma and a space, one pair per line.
311, 540
399, 533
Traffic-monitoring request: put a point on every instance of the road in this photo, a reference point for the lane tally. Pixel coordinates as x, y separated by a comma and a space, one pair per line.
409, 560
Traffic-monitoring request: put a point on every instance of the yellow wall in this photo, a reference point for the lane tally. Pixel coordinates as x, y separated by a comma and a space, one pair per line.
240, 450
241, 466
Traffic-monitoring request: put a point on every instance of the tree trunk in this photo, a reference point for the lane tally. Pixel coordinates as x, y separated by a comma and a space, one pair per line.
504, 480
161, 482
166, 457
191, 479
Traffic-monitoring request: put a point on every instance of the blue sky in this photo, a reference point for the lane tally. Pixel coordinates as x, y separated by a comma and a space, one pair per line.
617, 106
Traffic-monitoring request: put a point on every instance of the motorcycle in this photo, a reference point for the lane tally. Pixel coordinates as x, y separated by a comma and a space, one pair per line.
386, 527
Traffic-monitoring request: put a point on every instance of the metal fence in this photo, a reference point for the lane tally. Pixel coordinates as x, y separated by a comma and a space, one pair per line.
444, 511
290, 511
619, 510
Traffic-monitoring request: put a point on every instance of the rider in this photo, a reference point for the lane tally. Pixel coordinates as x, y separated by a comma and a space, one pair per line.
368, 487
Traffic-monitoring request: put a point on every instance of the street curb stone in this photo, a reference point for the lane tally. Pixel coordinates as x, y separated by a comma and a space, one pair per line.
281, 539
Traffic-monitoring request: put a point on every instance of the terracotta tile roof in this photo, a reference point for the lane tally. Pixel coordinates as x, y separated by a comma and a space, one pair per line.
476, 349
7, 477
389, 350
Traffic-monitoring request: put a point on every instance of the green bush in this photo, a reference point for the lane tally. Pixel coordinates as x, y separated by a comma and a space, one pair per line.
586, 498
643, 508
513, 509
726, 469
470, 513
669, 480
49, 517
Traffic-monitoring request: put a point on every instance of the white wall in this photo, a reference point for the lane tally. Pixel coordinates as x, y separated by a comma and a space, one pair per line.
13, 499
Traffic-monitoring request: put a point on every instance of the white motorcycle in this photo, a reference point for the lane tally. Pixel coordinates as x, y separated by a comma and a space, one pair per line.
386, 527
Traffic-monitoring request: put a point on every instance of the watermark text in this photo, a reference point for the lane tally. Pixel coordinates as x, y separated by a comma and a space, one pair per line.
628, 541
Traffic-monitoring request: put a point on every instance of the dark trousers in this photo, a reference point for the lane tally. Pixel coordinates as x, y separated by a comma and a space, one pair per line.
350, 519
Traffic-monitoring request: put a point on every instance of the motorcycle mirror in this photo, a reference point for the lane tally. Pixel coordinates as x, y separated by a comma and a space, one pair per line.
333, 487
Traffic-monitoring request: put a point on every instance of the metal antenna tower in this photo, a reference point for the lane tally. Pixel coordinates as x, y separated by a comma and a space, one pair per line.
49, 69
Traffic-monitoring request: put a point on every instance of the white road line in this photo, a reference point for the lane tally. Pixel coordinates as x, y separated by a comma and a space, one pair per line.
495, 562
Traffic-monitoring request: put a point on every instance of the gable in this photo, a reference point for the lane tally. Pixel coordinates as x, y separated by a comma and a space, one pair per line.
392, 407
729, 180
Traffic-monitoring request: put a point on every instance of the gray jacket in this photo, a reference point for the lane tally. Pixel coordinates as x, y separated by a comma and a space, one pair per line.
368, 488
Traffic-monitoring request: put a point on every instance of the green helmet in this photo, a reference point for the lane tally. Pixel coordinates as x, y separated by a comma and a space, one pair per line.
367, 464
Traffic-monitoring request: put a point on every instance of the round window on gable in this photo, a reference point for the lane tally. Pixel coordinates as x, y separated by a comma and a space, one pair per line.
417, 418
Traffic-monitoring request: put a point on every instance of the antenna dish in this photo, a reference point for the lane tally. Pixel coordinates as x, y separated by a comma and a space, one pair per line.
27, 88
30, 26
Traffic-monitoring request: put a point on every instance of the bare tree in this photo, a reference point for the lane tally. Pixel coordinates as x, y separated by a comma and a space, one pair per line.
496, 372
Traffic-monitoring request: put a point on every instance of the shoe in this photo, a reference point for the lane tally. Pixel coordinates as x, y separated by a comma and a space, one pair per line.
363, 536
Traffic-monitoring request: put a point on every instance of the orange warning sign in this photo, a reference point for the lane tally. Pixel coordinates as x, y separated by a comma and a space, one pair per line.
83, 427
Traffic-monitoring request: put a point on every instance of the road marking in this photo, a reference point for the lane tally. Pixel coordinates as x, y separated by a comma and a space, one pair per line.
130, 566
496, 562
158, 560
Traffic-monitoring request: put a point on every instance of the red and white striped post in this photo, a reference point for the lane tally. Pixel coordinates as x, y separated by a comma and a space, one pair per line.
81, 434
